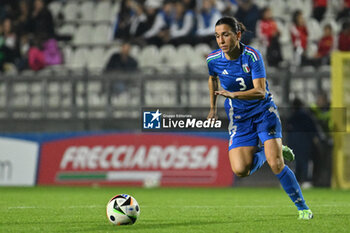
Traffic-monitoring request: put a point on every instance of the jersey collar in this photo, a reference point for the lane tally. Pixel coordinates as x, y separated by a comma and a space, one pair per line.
242, 47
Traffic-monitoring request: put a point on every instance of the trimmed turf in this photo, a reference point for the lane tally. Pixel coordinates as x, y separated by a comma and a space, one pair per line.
183, 210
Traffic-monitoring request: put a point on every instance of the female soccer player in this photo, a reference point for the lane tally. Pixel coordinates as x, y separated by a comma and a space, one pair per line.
250, 108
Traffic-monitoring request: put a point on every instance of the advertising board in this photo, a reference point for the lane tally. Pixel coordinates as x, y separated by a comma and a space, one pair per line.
18, 162
136, 159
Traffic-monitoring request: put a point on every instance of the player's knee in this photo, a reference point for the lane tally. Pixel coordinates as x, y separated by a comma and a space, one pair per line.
241, 172
276, 165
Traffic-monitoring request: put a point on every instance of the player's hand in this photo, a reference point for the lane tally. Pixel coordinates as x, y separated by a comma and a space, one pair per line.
225, 93
212, 114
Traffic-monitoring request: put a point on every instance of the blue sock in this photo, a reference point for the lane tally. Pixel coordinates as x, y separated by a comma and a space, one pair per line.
292, 188
258, 160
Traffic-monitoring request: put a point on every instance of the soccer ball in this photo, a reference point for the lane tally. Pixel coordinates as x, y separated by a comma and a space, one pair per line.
123, 209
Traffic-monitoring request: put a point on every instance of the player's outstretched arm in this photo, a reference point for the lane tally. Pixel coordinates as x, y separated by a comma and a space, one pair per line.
257, 92
213, 84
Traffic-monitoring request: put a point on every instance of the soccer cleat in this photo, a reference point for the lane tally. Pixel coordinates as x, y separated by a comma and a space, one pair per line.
305, 214
288, 153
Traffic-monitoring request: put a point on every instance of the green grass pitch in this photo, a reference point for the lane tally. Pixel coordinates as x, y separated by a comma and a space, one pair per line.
183, 210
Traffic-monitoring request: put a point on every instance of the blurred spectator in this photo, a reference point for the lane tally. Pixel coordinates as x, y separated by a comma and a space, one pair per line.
323, 146
41, 21
7, 9
9, 34
52, 53
138, 20
9, 43
319, 9
21, 23
23, 47
345, 12
268, 35
321, 110
158, 34
150, 11
325, 46
344, 37
2, 49
301, 134
36, 58
190, 4
122, 27
122, 61
299, 35
206, 20
248, 14
182, 25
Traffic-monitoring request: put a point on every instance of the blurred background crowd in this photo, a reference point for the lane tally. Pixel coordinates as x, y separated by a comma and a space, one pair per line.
36, 33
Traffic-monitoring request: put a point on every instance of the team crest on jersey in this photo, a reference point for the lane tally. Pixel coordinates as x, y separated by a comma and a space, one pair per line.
246, 68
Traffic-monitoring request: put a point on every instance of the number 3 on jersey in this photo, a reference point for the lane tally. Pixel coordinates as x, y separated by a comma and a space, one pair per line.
241, 82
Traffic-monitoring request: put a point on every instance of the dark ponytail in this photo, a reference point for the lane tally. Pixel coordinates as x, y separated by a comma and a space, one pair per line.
235, 25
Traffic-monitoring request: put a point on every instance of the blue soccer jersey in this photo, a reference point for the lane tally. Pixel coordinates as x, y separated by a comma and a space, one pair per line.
238, 75
250, 120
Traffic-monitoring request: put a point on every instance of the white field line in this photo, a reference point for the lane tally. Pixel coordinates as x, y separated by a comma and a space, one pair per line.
64, 207
177, 206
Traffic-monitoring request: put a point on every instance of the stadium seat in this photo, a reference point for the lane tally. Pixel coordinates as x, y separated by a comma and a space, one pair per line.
96, 61
149, 58
53, 101
284, 29
67, 54
287, 52
94, 87
200, 54
162, 93
71, 10
184, 56
101, 34
55, 8
36, 101
333, 7
292, 6
83, 35
95, 100
166, 58
261, 3
66, 29
326, 84
202, 48
311, 49
307, 8
53, 88
314, 29
87, 11
115, 8
79, 59
3, 95
19, 88
103, 11
135, 51
278, 8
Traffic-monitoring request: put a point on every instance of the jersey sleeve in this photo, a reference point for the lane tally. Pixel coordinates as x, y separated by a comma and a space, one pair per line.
211, 69
257, 64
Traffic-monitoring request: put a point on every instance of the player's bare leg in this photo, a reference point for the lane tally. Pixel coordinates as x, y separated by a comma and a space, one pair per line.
273, 153
241, 159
